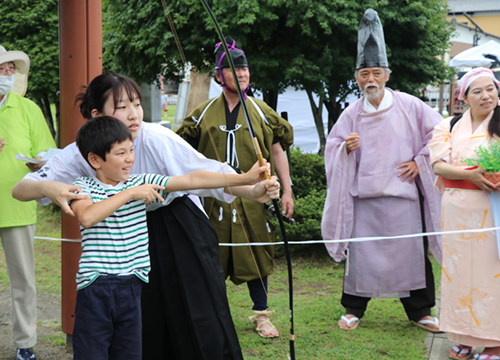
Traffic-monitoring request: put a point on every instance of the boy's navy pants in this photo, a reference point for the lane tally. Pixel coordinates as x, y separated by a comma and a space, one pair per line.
108, 321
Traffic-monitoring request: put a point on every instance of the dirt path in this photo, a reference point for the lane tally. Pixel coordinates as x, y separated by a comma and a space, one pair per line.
49, 332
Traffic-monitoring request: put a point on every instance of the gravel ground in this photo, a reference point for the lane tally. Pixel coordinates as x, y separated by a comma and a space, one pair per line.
50, 338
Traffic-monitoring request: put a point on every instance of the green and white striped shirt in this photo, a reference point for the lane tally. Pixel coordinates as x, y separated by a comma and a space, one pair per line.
118, 245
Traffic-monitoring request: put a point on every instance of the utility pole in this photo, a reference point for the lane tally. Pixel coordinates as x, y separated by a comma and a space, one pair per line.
80, 60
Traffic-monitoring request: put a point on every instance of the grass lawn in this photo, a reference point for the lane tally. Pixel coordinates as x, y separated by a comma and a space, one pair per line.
47, 253
170, 113
384, 332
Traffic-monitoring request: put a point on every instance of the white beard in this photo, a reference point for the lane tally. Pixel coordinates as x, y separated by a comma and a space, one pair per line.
373, 95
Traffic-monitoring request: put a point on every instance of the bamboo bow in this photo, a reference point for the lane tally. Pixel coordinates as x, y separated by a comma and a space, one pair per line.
258, 152
260, 158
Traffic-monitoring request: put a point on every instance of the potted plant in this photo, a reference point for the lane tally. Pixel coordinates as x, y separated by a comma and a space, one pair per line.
488, 158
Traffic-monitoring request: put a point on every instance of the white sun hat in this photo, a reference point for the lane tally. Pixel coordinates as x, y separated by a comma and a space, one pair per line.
22, 62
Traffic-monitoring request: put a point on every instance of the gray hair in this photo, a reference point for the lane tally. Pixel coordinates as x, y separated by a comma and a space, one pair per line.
387, 72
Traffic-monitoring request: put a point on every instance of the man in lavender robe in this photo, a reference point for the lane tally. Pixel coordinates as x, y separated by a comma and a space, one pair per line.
380, 185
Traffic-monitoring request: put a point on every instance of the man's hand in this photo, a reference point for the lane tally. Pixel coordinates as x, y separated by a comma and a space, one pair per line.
148, 192
352, 142
287, 204
266, 190
35, 167
410, 171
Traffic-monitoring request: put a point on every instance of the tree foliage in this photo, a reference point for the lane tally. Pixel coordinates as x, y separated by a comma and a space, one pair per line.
31, 26
416, 33
308, 44
139, 42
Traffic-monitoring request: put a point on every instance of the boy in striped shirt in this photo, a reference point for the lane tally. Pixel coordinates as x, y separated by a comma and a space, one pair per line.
115, 259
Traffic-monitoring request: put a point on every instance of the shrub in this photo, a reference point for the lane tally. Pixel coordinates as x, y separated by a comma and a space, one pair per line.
308, 172
309, 187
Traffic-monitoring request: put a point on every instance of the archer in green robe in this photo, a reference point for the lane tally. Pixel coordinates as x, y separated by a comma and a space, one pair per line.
243, 220
218, 129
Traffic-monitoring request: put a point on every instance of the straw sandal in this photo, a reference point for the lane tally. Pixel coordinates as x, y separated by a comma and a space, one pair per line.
348, 322
423, 325
486, 357
463, 353
259, 324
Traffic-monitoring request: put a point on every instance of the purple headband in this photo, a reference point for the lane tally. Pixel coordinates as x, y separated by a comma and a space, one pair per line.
223, 84
472, 76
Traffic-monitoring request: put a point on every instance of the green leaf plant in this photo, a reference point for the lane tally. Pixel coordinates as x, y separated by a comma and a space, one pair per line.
488, 158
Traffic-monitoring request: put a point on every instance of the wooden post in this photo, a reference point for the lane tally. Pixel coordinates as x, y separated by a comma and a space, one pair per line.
452, 97
198, 91
441, 96
80, 60
284, 115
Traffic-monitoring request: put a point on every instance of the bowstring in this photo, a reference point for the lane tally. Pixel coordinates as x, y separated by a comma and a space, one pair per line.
179, 47
174, 31
212, 141
181, 52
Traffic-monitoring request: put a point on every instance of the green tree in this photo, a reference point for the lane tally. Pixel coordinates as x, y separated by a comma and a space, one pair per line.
139, 42
416, 33
31, 26
308, 44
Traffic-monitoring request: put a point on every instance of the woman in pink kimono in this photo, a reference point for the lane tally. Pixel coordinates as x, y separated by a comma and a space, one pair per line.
470, 285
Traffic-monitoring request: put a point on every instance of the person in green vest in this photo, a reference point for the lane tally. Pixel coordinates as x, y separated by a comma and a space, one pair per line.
218, 129
22, 130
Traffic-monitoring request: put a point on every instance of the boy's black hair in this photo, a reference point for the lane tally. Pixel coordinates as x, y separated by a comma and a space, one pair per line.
99, 134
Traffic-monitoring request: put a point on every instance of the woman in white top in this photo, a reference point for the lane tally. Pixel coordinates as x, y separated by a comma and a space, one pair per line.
185, 310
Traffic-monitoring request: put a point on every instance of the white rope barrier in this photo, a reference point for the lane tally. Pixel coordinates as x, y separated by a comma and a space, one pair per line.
307, 242
57, 239
363, 239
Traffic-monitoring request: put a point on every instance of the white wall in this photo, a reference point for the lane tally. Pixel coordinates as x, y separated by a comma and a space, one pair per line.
466, 36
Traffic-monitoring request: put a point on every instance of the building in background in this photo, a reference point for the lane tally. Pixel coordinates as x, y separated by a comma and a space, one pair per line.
476, 22
476, 25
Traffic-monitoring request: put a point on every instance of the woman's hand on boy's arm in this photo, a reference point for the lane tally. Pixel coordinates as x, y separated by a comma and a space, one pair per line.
59, 193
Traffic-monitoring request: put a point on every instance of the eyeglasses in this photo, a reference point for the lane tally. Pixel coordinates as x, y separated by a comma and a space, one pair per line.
8, 69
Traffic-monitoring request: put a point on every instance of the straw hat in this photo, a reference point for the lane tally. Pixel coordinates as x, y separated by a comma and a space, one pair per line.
22, 61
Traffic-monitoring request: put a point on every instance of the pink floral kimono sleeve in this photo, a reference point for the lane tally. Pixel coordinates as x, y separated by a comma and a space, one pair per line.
440, 148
